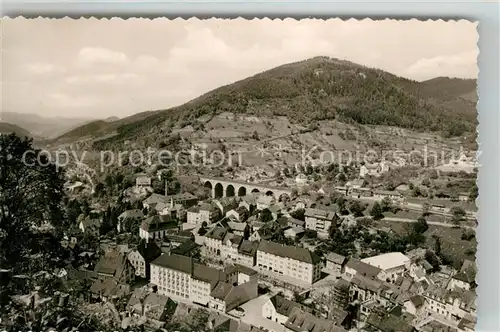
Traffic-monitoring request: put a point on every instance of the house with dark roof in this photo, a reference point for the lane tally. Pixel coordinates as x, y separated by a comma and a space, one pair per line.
108, 289
140, 258
230, 246
335, 262
384, 321
465, 278
278, 308
114, 265
226, 296
214, 240
414, 305
240, 213
297, 263
156, 227
247, 253
355, 266
188, 248
300, 321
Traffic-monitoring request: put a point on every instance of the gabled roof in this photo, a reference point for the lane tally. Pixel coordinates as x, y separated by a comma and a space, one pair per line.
112, 264
175, 262
283, 306
335, 258
248, 248
387, 261
221, 290
185, 248
417, 300
132, 214
207, 274
149, 251
320, 214
159, 223
300, 321
296, 253
362, 268
217, 233
155, 199
237, 226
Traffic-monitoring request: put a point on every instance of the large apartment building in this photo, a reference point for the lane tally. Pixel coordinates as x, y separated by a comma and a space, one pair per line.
297, 263
181, 278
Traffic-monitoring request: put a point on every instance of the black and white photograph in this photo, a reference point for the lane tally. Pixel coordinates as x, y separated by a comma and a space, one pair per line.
237, 175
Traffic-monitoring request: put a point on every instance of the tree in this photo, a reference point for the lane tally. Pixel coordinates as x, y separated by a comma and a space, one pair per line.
421, 225
386, 204
474, 192
457, 214
299, 214
376, 211
437, 245
357, 208
31, 194
266, 215
426, 207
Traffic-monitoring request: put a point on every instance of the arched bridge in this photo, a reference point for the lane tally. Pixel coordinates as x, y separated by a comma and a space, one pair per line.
221, 187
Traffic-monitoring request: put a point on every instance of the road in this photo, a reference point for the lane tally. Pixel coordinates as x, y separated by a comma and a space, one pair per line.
435, 223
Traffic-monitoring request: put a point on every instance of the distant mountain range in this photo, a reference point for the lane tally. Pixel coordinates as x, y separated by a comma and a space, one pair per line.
42, 126
312, 90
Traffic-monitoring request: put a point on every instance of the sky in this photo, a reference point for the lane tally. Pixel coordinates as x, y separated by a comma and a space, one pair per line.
101, 68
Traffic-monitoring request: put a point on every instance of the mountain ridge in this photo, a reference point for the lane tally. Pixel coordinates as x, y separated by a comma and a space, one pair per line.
317, 89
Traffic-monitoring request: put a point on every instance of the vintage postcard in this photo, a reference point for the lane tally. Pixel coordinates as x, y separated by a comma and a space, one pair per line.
238, 175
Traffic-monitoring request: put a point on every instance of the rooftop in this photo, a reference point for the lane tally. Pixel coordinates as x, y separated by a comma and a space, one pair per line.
318, 213
175, 262
335, 258
387, 261
362, 268
296, 253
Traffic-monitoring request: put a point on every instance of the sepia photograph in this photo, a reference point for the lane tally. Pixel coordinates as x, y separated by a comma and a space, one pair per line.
235, 175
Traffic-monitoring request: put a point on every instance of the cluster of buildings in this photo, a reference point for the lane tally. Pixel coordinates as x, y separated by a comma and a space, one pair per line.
218, 254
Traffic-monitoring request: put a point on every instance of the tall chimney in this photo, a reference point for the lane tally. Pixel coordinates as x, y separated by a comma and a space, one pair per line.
166, 187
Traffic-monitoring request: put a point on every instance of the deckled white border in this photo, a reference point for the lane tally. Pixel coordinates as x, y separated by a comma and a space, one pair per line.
488, 106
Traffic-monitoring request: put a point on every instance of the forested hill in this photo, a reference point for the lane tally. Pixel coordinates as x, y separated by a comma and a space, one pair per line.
8, 128
325, 88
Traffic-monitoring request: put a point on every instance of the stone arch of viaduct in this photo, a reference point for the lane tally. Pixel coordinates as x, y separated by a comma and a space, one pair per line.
228, 188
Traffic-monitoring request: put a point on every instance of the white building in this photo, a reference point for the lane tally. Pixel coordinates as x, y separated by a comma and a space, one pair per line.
214, 240
294, 262
197, 215
179, 277
319, 220
277, 308
392, 265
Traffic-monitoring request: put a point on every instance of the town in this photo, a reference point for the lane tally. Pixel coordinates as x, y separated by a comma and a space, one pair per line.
254, 257
263, 175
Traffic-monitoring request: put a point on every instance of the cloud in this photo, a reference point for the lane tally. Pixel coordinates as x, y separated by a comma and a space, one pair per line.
99, 55
129, 66
101, 78
61, 100
40, 68
456, 65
